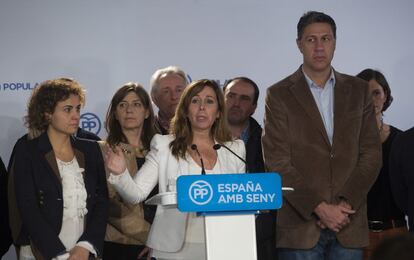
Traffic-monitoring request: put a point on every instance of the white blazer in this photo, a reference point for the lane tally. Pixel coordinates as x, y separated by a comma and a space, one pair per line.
168, 229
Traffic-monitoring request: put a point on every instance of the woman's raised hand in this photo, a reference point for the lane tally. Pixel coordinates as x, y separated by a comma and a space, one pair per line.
115, 160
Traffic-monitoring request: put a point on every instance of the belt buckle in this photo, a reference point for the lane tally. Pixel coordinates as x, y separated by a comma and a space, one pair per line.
376, 226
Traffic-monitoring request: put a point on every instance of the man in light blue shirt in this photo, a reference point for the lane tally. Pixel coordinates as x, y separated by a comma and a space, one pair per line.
324, 98
320, 134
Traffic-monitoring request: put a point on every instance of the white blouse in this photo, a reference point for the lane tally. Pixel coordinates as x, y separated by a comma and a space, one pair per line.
74, 202
74, 210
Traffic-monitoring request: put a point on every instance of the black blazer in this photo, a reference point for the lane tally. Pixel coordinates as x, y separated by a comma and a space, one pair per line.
5, 235
81, 133
38, 191
402, 173
254, 154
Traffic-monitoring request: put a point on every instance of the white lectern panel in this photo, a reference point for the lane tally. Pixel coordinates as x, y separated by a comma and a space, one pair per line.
231, 237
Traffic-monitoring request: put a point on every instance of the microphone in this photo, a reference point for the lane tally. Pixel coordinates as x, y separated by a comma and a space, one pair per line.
194, 148
218, 146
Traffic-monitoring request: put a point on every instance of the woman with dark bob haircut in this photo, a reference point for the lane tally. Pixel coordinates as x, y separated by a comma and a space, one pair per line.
199, 123
59, 180
385, 219
130, 126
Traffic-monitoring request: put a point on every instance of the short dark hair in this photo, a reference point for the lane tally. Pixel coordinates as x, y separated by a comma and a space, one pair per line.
314, 17
248, 81
370, 74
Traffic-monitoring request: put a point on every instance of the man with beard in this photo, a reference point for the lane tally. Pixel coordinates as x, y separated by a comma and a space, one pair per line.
241, 95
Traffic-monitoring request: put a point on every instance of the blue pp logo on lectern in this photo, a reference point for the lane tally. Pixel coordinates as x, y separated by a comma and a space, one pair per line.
229, 192
200, 192
90, 122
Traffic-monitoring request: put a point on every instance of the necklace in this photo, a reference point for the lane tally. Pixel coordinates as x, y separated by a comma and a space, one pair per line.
130, 149
139, 152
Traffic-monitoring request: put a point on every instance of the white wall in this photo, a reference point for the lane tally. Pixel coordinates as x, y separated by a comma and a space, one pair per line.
104, 43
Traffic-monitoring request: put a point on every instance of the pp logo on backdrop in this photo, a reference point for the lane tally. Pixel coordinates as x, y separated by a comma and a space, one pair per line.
200, 192
90, 122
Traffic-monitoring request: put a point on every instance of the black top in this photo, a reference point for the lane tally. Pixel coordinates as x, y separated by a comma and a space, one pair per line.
149, 210
402, 179
254, 155
265, 222
38, 192
82, 133
6, 238
159, 127
381, 203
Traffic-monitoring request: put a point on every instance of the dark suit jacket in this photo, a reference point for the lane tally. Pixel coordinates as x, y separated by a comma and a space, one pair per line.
296, 145
5, 236
266, 221
254, 155
38, 193
402, 173
82, 133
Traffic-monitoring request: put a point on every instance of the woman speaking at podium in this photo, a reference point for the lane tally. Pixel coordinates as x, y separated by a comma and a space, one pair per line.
199, 123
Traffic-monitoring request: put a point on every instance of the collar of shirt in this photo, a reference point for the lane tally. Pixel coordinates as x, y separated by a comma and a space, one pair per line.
330, 82
324, 99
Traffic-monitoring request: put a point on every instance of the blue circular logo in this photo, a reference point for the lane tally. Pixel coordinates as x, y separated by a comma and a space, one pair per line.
200, 192
90, 122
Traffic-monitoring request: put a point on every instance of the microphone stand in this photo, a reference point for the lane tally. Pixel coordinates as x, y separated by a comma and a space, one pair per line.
194, 148
218, 146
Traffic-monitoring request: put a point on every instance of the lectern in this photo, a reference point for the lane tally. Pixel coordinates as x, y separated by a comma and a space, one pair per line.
229, 203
